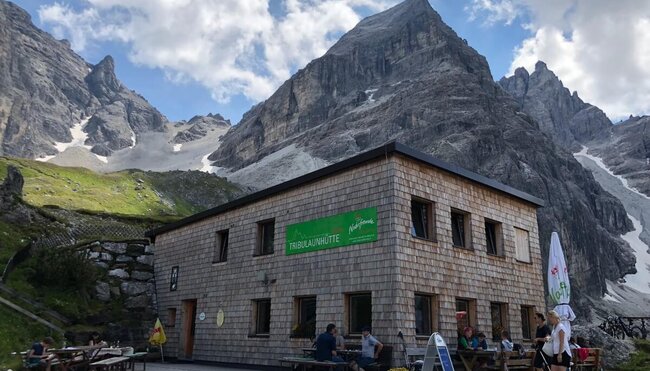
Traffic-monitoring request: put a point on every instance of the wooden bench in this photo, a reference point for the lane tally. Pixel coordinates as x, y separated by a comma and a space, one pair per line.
591, 362
113, 363
384, 360
33, 366
513, 361
304, 362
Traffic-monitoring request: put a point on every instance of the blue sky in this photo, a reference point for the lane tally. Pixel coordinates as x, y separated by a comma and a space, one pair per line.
221, 56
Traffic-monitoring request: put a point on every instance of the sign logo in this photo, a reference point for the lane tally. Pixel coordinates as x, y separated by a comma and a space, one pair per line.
345, 229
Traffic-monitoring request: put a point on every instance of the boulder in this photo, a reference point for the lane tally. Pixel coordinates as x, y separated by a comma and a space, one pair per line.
101, 265
115, 291
140, 301
145, 259
135, 250
141, 276
105, 257
148, 249
616, 351
103, 291
115, 248
124, 259
133, 288
119, 273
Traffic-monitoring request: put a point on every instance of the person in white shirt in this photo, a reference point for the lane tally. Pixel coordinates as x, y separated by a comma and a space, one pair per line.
561, 351
572, 344
370, 349
506, 344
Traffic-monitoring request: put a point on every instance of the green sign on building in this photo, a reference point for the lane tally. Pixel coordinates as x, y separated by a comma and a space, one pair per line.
351, 228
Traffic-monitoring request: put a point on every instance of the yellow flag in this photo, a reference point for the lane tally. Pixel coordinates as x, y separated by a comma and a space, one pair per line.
158, 335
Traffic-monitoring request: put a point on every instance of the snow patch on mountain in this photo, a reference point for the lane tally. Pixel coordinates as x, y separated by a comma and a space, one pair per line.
602, 165
288, 163
641, 279
177, 147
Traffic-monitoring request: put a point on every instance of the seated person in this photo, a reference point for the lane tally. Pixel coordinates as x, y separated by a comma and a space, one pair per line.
37, 355
370, 349
479, 342
326, 346
340, 341
95, 339
506, 344
465, 341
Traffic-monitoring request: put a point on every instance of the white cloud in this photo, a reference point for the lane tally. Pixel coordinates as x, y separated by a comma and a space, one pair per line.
230, 46
600, 48
493, 11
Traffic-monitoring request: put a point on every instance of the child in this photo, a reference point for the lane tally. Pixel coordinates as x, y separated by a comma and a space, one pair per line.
506, 344
479, 342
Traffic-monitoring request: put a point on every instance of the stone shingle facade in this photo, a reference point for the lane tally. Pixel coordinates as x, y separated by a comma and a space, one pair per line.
394, 268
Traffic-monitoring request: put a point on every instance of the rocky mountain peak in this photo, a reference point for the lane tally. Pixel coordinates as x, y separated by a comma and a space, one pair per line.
560, 113
102, 81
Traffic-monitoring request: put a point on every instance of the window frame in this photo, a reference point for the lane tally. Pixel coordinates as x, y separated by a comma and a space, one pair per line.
298, 331
219, 256
503, 314
433, 313
498, 237
517, 255
430, 228
471, 309
467, 226
349, 299
255, 325
259, 246
530, 313
171, 317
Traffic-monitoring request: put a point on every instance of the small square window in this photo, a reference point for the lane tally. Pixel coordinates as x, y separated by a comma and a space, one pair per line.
422, 222
493, 237
221, 247
359, 312
522, 245
527, 322
460, 228
265, 237
262, 317
305, 326
171, 317
498, 313
425, 314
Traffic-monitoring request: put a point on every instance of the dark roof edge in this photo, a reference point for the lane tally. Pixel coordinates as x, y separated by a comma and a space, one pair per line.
382, 151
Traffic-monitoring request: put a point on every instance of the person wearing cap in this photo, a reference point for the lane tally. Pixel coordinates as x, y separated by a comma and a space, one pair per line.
370, 349
37, 355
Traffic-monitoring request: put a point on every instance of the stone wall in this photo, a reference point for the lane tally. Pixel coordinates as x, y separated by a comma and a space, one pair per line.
129, 284
392, 269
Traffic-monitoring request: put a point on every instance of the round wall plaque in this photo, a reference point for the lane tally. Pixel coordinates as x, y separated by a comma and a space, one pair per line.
202, 316
220, 318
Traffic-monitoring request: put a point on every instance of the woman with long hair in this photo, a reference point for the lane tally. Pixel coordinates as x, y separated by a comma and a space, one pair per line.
561, 354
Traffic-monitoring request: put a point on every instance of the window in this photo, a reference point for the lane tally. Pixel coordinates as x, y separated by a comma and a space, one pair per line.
527, 322
265, 237
493, 237
498, 312
359, 312
171, 317
262, 317
425, 314
422, 219
522, 245
305, 326
465, 313
460, 228
221, 247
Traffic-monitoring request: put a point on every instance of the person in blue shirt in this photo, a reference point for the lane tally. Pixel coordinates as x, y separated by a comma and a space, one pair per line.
37, 355
326, 346
479, 342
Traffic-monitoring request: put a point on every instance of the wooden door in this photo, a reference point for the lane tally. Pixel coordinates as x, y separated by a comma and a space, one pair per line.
189, 326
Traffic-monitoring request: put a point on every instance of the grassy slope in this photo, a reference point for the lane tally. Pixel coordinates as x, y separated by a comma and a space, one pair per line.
640, 360
17, 329
133, 193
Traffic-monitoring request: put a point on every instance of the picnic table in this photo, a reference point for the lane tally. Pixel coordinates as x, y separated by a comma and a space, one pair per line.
470, 358
346, 354
74, 357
